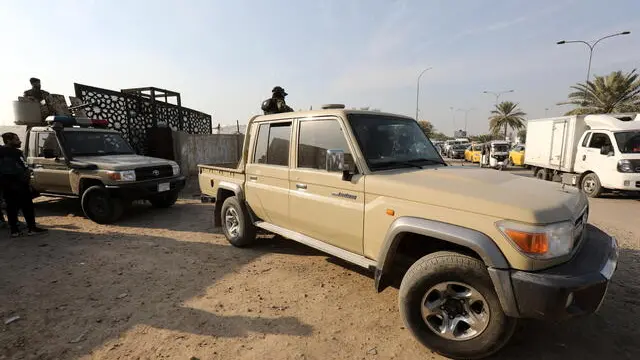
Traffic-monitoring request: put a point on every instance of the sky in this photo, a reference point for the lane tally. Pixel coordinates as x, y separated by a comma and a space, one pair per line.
225, 56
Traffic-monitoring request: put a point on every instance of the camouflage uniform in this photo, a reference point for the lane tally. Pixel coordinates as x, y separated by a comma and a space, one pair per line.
276, 104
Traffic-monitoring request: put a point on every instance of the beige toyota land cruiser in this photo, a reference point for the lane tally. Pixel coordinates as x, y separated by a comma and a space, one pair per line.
81, 158
476, 249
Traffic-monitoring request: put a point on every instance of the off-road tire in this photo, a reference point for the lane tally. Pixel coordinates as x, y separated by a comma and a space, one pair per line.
99, 206
445, 266
245, 234
164, 200
591, 191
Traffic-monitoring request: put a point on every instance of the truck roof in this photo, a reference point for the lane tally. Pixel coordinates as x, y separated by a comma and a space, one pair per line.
323, 112
86, 129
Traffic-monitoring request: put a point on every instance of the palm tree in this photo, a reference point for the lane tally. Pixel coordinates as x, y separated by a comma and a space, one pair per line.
507, 115
615, 93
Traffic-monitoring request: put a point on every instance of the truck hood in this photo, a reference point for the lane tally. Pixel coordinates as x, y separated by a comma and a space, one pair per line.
122, 162
490, 192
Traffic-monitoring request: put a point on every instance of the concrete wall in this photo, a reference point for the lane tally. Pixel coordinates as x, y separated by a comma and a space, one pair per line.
193, 149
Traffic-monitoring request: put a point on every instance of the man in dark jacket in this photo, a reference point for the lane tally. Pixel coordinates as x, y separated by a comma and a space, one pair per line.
276, 103
14, 180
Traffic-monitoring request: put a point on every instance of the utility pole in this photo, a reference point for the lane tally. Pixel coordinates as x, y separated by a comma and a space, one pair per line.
418, 91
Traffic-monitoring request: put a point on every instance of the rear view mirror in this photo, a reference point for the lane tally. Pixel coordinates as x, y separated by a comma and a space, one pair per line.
606, 150
334, 161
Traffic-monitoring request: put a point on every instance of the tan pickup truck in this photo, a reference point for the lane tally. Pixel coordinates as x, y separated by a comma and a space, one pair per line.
475, 249
80, 158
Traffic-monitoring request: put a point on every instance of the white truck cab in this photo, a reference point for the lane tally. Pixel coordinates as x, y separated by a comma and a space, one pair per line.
593, 152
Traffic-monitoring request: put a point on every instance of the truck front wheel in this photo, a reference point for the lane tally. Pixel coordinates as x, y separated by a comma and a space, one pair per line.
99, 206
448, 302
236, 223
591, 186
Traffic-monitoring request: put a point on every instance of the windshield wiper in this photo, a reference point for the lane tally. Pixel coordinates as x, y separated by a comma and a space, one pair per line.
431, 161
395, 162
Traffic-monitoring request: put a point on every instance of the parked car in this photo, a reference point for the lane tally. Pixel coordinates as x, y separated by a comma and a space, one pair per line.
478, 257
473, 153
516, 155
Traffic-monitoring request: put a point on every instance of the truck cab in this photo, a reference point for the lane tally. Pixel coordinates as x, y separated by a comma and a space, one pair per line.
609, 156
81, 158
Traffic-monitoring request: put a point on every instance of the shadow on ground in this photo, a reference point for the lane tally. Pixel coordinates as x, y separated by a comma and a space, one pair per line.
102, 285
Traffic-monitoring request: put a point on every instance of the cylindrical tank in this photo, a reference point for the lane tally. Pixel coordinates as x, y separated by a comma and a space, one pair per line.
27, 113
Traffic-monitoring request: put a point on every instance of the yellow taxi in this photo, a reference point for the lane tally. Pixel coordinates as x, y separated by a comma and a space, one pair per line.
516, 155
473, 153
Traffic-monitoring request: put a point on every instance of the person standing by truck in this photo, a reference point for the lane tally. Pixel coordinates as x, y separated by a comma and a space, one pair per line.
15, 177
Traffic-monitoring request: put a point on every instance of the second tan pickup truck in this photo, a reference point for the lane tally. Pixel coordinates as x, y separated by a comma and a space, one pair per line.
477, 249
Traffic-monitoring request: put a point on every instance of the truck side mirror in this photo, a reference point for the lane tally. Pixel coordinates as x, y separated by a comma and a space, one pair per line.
606, 150
48, 153
334, 161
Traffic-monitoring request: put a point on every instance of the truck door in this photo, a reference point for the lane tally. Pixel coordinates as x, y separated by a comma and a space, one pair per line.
50, 175
321, 204
604, 165
558, 136
267, 172
581, 154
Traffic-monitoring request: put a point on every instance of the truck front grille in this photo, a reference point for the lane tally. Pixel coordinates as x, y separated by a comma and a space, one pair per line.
153, 172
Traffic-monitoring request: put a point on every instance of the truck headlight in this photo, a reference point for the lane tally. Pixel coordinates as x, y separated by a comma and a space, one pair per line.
625, 166
176, 169
541, 242
127, 175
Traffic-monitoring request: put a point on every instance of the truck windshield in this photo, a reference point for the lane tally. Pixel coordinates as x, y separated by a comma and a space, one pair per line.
85, 143
390, 142
501, 148
628, 142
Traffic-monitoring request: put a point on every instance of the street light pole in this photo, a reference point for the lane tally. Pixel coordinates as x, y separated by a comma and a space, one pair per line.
466, 113
497, 94
418, 91
591, 46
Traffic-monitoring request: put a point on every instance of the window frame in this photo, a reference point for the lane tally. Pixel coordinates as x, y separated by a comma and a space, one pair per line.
316, 119
37, 146
586, 140
593, 134
255, 142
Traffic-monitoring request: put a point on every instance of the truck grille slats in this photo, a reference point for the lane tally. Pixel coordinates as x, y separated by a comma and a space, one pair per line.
153, 172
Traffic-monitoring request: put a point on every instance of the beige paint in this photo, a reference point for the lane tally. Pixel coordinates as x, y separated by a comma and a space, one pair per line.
464, 196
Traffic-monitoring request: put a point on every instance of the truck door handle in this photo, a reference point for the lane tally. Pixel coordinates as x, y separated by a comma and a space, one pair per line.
253, 178
584, 157
301, 186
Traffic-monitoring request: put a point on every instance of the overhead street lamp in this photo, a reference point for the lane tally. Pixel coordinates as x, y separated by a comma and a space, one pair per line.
498, 93
418, 91
466, 113
591, 46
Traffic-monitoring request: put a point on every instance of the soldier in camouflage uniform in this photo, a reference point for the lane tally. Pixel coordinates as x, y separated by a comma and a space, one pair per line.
276, 103
36, 91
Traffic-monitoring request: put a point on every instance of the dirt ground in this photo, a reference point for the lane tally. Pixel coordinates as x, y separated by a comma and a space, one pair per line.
164, 284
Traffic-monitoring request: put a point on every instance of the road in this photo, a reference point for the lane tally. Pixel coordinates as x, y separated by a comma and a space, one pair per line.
164, 284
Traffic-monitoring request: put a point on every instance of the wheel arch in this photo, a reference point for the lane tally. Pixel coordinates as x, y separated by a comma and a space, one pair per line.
225, 191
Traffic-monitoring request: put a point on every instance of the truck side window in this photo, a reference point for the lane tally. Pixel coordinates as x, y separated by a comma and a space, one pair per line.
315, 138
272, 144
47, 140
586, 140
598, 140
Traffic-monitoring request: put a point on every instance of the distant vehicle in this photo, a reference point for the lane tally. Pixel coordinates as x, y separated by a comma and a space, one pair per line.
498, 154
592, 152
516, 155
457, 151
473, 153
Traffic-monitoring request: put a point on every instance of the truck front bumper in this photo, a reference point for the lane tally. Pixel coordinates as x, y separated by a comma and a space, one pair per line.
147, 189
577, 287
623, 181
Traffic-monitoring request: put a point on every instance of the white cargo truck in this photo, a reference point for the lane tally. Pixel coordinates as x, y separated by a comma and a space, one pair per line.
593, 152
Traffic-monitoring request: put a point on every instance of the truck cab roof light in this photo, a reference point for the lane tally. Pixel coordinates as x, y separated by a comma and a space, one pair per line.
73, 121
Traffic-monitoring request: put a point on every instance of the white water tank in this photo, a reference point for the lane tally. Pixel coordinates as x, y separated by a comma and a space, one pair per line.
27, 113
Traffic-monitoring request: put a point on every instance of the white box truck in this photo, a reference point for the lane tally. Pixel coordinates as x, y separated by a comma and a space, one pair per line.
593, 152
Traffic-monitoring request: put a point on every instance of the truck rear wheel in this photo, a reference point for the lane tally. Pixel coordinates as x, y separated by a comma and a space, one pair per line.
99, 206
448, 302
541, 174
236, 223
591, 186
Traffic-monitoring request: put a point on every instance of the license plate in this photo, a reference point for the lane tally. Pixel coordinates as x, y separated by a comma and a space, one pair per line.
164, 187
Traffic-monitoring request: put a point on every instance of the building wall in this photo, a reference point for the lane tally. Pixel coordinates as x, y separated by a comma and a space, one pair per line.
193, 149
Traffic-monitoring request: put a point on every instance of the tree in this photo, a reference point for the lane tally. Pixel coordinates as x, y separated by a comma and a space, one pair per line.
615, 93
507, 115
438, 136
426, 127
522, 134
